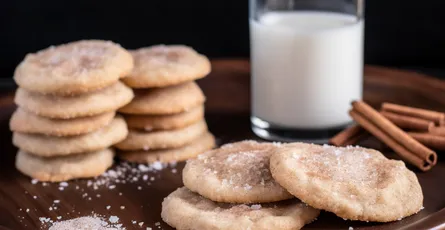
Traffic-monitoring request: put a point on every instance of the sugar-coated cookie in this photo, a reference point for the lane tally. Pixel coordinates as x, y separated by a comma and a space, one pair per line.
165, 122
352, 182
203, 143
74, 68
48, 146
104, 100
164, 139
27, 122
185, 210
64, 168
161, 65
235, 173
169, 100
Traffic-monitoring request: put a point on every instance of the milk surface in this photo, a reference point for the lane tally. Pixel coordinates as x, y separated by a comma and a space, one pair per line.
307, 67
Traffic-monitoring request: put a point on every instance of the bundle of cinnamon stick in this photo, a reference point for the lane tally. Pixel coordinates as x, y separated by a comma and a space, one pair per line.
406, 130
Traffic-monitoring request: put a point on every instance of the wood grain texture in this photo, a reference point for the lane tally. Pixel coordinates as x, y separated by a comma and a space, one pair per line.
227, 113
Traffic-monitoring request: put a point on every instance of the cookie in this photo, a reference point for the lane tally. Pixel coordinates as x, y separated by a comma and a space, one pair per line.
74, 68
183, 209
48, 146
235, 173
354, 183
169, 100
89, 104
137, 140
27, 122
165, 122
201, 144
64, 168
161, 65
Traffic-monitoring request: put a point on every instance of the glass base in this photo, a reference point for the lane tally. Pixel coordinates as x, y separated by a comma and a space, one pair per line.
273, 132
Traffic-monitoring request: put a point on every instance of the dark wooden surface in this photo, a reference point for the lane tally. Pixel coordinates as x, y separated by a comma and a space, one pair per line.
227, 90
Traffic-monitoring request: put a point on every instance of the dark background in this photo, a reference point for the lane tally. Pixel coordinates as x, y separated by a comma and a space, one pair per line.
408, 33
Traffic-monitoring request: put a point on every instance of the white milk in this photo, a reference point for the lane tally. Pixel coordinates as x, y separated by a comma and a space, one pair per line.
307, 67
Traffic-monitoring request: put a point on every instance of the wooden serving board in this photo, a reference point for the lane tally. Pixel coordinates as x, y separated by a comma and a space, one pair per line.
227, 114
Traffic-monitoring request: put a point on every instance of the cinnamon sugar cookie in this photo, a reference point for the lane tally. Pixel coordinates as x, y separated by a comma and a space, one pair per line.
165, 122
27, 122
161, 65
74, 68
169, 100
354, 183
183, 209
48, 146
105, 100
203, 143
64, 168
235, 173
137, 140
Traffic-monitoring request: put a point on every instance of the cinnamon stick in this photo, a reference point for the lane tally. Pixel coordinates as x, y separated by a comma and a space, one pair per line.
391, 142
414, 148
433, 141
407, 122
438, 131
348, 136
434, 116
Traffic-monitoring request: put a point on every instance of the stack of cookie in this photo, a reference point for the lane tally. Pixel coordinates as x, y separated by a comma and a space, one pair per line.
251, 185
67, 99
166, 117
232, 188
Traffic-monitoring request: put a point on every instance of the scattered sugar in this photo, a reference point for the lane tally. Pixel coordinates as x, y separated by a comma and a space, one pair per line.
133, 222
108, 207
59, 217
157, 165
111, 186
122, 207
87, 223
56, 201
63, 184
113, 219
34, 181
255, 206
27, 210
61, 188
141, 223
35, 197
157, 223
350, 228
174, 170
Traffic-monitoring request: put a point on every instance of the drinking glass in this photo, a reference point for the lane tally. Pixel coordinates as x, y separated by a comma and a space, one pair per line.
306, 65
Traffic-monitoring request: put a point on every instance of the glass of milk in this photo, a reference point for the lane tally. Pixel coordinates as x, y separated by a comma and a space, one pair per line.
307, 67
